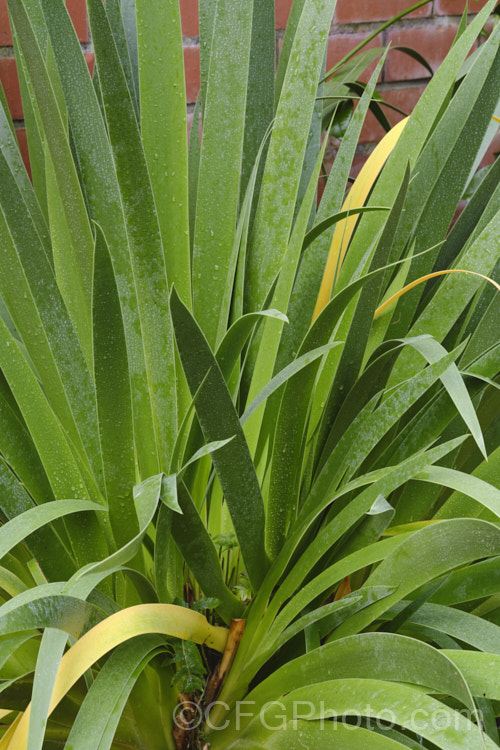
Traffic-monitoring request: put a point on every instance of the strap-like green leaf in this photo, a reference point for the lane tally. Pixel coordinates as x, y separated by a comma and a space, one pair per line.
114, 404
143, 230
164, 131
219, 421
214, 264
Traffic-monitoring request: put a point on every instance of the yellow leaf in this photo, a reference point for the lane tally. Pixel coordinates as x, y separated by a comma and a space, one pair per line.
7, 737
406, 527
421, 280
166, 619
343, 589
356, 198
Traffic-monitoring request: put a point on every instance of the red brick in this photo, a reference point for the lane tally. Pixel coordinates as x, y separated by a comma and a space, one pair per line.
10, 83
192, 72
90, 60
433, 42
493, 149
340, 44
403, 98
5, 34
23, 147
282, 10
357, 11
77, 10
189, 17
457, 7
358, 163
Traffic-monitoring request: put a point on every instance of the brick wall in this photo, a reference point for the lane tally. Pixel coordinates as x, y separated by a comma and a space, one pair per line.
430, 30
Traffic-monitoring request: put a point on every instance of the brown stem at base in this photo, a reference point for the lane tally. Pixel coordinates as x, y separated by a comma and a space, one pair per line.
219, 674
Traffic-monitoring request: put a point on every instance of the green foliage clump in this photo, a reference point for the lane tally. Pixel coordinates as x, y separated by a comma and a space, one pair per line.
249, 438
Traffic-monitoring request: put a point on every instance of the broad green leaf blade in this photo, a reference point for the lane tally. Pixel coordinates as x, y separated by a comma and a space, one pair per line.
66, 613
280, 182
164, 131
95, 157
116, 22
113, 397
164, 619
371, 698
49, 656
10, 150
194, 153
259, 108
428, 554
214, 264
29, 289
324, 736
51, 442
17, 448
168, 494
219, 421
143, 230
462, 626
380, 656
282, 377
483, 492
46, 546
80, 251
18, 528
105, 695
200, 554
479, 669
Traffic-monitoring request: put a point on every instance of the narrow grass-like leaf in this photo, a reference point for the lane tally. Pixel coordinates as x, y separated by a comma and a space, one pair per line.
32, 296
369, 427
424, 117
